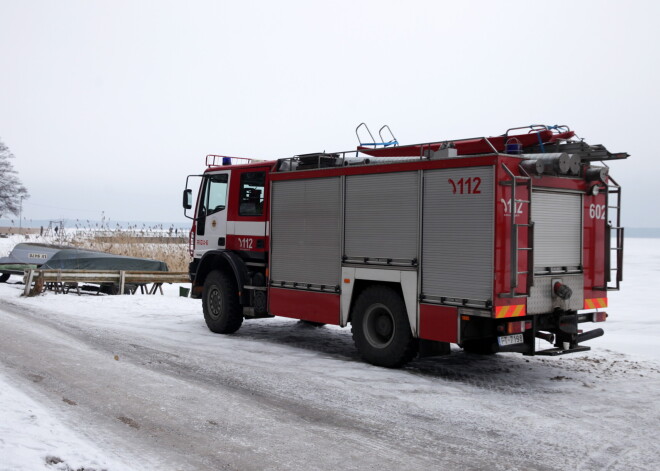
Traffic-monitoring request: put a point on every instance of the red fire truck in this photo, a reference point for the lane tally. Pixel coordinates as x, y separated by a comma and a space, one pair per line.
491, 243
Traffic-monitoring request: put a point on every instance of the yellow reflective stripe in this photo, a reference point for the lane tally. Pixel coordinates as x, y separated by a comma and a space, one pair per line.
595, 303
510, 311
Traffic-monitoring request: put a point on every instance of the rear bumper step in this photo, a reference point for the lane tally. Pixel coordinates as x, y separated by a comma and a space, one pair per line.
553, 352
592, 334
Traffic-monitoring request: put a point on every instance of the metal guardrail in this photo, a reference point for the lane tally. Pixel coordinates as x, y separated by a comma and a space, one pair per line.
118, 277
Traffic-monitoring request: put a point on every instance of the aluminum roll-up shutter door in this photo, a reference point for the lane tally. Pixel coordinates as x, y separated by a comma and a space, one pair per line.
557, 229
305, 231
457, 247
381, 216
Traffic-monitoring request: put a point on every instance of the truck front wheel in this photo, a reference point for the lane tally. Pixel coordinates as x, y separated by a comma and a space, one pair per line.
222, 311
380, 327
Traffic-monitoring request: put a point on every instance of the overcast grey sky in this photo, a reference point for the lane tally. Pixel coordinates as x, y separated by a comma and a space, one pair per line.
108, 105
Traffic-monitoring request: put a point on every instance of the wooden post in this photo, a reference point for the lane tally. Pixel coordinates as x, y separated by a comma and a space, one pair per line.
28, 282
122, 281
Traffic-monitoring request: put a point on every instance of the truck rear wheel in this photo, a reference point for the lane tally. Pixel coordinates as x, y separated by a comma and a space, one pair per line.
380, 327
222, 311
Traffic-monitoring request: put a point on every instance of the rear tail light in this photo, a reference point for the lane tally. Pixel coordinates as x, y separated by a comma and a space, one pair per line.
517, 327
600, 316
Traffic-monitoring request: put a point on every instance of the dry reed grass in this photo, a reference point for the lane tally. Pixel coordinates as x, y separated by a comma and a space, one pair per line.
167, 245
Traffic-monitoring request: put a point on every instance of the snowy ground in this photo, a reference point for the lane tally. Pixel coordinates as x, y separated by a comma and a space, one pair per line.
139, 383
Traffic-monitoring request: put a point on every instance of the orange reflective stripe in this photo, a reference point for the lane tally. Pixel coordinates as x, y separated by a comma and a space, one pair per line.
510, 311
500, 311
595, 303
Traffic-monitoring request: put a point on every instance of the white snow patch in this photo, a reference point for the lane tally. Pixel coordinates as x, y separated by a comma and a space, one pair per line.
633, 327
31, 437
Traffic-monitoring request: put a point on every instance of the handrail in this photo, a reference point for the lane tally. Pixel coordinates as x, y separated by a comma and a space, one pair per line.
514, 234
613, 188
490, 144
448, 141
373, 143
392, 141
534, 128
373, 140
514, 248
530, 233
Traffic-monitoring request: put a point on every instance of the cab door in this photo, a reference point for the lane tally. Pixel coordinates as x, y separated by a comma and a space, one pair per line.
248, 212
211, 230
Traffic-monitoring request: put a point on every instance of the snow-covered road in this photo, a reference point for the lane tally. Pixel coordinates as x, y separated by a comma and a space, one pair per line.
138, 382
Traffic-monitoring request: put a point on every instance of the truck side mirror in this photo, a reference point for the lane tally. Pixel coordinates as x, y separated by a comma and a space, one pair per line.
187, 199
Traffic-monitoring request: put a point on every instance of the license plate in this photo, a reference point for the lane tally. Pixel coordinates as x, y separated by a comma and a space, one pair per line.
510, 340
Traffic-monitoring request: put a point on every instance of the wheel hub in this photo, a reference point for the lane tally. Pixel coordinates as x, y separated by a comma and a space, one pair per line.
379, 326
214, 301
384, 326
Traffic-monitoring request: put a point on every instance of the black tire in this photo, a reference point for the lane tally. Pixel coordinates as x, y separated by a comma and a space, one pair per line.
4, 277
222, 311
479, 347
380, 327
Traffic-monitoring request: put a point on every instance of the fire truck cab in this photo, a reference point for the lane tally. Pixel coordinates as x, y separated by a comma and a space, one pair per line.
494, 244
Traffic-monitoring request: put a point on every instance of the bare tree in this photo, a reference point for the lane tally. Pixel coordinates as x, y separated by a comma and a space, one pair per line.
12, 190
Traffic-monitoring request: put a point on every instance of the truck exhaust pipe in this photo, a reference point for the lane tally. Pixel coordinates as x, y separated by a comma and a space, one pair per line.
592, 334
545, 336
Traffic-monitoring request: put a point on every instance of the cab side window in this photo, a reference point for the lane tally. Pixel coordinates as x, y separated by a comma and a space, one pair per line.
251, 196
